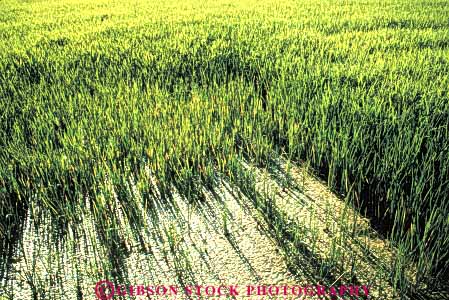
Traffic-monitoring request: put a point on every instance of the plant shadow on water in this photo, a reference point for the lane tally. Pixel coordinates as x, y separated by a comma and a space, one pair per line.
13, 219
300, 260
212, 203
213, 207
280, 172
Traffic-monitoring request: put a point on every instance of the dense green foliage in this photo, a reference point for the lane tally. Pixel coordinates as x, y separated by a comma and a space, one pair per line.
91, 90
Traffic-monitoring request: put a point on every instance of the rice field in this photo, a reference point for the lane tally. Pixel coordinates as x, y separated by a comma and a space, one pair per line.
306, 139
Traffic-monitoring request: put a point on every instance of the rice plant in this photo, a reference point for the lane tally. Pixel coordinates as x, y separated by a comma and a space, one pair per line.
95, 92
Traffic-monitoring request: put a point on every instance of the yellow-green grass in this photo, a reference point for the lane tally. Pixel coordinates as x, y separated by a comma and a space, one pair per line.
95, 91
